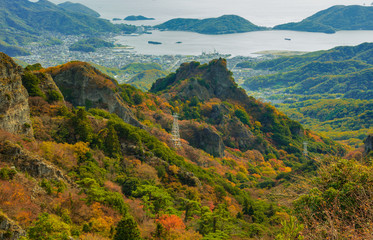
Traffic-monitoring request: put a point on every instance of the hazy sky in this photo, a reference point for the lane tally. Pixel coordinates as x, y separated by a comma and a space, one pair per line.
260, 12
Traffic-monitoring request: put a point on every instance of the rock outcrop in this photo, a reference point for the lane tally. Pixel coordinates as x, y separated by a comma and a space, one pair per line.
14, 108
34, 165
203, 137
368, 143
83, 85
204, 81
236, 130
9, 230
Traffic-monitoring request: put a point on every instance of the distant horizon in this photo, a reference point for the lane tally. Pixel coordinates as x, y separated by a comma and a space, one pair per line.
268, 13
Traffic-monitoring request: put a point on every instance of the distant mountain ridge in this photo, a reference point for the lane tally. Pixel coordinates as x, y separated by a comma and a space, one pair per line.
22, 21
222, 25
334, 19
78, 8
343, 70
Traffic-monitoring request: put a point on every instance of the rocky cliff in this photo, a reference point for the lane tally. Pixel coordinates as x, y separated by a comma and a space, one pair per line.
203, 137
28, 162
14, 108
83, 85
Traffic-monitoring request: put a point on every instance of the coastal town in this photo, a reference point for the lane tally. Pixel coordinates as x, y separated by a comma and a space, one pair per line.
49, 55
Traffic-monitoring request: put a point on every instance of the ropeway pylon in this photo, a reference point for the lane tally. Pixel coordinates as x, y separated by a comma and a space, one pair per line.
175, 132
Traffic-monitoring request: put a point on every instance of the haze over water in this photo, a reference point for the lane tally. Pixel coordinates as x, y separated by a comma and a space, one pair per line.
260, 12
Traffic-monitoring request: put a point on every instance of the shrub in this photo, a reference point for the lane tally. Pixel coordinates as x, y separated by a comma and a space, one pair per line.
7, 173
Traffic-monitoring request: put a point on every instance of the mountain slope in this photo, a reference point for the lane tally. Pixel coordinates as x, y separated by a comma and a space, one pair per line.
78, 8
327, 91
211, 95
221, 25
145, 79
83, 85
90, 175
88, 170
339, 70
12, 50
21, 20
334, 19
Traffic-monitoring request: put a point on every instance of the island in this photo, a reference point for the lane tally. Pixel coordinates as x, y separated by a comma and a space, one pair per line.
155, 43
225, 24
334, 19
137, 18
116, 19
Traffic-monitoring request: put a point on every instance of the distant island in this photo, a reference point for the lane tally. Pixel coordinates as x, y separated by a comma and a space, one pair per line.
116, 19
334, 19
225, 24
155, 43
137, 18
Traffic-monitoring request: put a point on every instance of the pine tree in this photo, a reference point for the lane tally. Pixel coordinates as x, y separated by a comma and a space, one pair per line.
127, 229
111, 143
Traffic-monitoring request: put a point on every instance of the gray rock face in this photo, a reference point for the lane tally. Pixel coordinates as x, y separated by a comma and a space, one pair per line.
9, 230
368, 143
30, 163
202, 137
83, 85
237, 130
14, 108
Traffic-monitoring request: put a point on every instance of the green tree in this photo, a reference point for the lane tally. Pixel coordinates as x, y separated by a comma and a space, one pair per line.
82, 126
127, 229
155, 198
111, 143
213, 222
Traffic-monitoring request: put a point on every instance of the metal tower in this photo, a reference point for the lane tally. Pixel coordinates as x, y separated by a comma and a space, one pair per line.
305, 152
175, 132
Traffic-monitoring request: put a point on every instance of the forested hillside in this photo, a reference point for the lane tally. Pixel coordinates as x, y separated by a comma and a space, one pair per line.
328, 91
23, 21
85, 157
334, 19
222, 25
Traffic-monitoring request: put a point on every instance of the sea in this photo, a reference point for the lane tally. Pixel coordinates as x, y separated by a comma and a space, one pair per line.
266, 13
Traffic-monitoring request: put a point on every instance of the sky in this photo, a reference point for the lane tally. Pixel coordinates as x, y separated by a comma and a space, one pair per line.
261, 12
